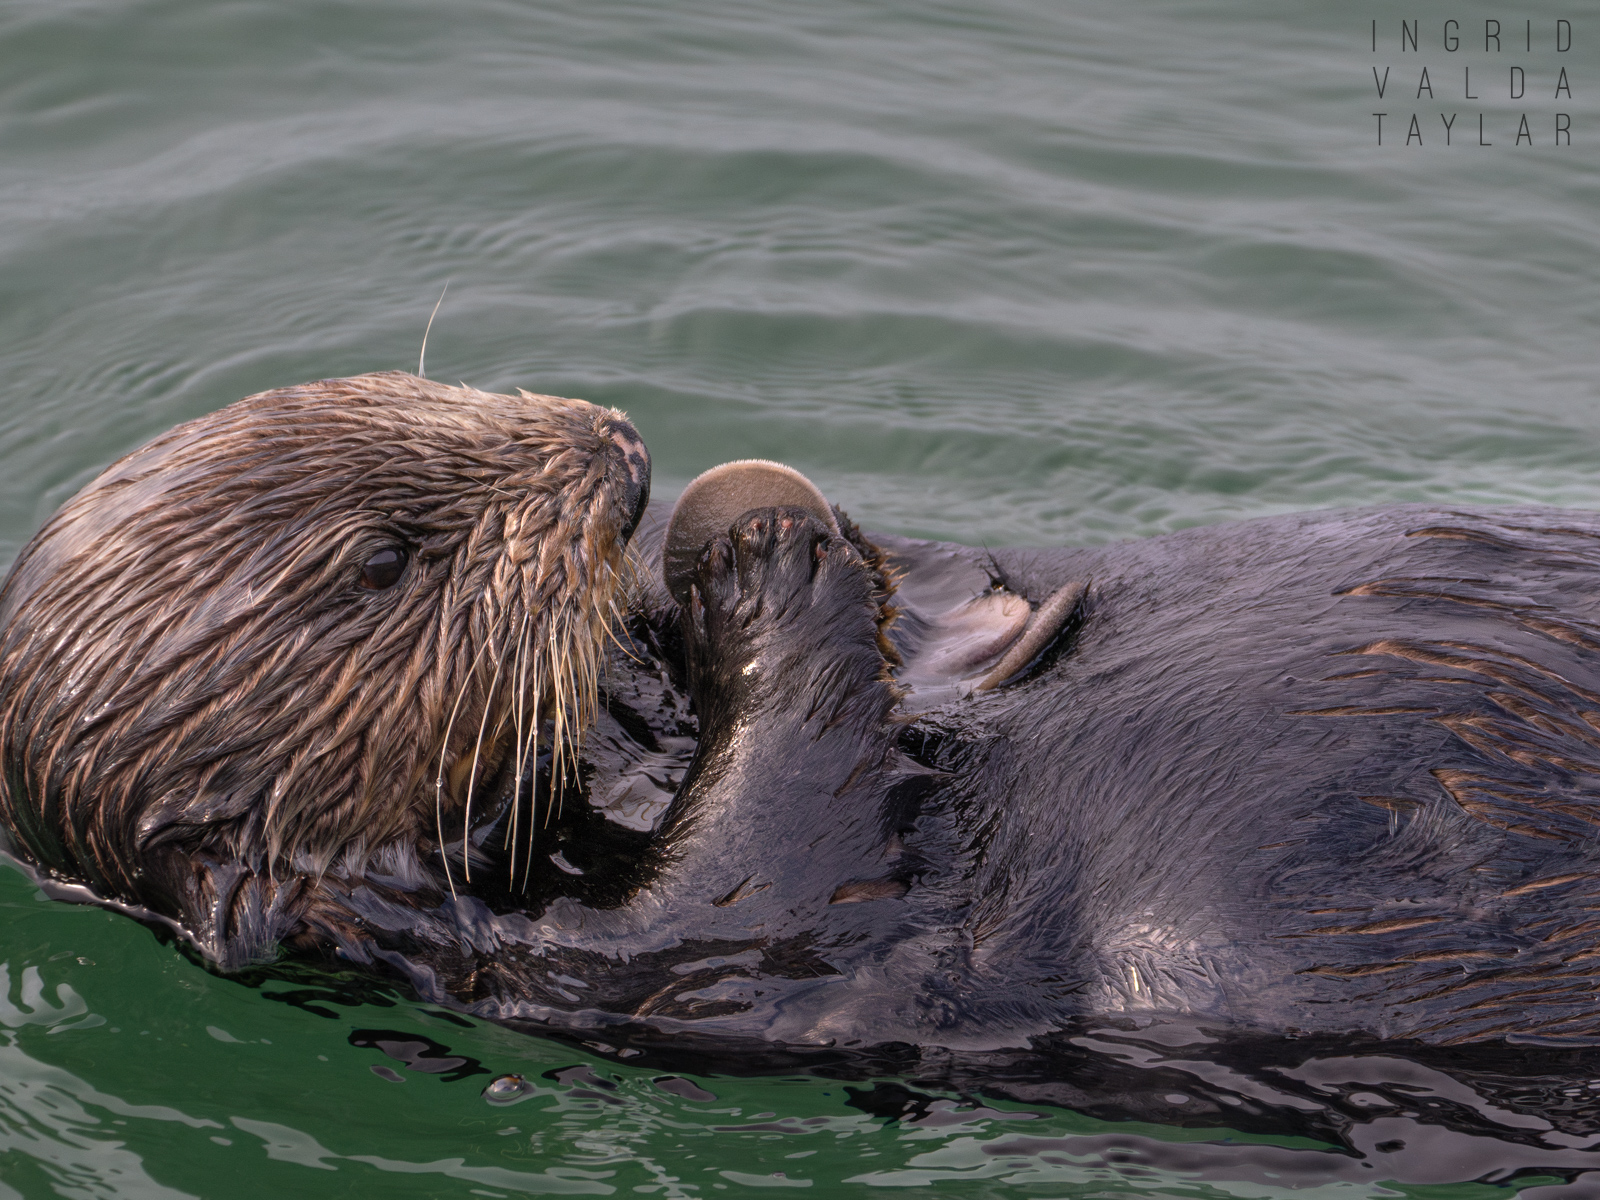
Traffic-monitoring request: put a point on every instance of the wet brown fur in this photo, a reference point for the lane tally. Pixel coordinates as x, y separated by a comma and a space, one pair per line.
884, 579
203, 713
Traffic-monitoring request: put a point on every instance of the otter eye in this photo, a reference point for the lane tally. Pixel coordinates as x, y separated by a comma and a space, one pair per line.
384, 568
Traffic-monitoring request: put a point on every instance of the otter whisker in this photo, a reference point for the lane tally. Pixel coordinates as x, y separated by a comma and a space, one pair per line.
533, 796
575, 688
438, 779
609, 628
558, 745
519, 681
423, 353
571, 716
477, 754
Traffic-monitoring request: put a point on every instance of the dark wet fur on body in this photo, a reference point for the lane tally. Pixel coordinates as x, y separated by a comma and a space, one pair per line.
1322, 773
957, 902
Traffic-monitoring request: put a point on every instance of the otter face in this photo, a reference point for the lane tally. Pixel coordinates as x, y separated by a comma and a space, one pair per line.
294, 639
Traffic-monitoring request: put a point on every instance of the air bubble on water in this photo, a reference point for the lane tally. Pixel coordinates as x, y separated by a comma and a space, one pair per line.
508, 1089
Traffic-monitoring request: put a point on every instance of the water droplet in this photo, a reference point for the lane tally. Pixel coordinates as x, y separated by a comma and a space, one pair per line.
507, 1089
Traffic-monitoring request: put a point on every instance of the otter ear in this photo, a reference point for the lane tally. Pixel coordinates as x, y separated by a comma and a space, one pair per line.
716, 499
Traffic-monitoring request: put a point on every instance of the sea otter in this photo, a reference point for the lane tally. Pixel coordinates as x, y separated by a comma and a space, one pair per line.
1325, 774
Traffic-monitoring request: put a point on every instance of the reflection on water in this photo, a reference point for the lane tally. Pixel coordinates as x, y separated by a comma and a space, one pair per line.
304, 1080
36, 1010
58, 1128
603, 1129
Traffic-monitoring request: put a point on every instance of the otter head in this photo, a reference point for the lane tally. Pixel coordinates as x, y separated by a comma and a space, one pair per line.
286, 647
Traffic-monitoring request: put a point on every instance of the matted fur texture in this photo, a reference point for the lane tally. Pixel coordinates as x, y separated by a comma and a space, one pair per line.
204, 713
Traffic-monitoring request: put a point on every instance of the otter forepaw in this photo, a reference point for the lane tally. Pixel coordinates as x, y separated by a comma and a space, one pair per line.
777, 599
769, 570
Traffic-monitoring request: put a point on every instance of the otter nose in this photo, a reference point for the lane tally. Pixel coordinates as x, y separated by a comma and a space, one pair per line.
636, 463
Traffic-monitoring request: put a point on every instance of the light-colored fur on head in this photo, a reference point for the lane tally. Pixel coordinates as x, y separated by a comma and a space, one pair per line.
191, 674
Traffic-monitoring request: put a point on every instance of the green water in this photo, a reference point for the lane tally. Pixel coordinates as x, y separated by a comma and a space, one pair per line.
1005, 272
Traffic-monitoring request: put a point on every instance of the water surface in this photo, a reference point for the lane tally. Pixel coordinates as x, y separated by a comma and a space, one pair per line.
1008, 273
